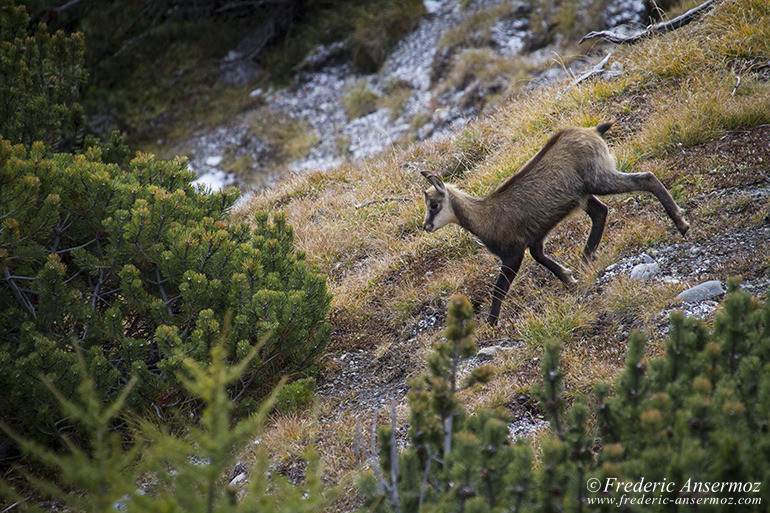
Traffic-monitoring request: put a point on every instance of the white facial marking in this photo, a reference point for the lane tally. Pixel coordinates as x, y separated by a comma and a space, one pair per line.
438, 210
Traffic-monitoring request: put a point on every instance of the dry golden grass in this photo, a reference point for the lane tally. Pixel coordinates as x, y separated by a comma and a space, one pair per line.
360, 223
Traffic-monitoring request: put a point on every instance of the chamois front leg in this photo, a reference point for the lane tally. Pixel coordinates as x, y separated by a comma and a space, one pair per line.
561, 272
507, 273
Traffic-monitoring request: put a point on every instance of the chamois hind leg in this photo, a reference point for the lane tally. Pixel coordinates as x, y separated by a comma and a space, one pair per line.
564, 274
597, 211
616, 182
507, 273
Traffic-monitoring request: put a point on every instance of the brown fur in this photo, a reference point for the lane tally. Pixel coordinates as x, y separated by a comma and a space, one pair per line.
566, 174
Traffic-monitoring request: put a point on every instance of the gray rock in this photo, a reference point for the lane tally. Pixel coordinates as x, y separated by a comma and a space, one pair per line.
698, 293
488, 353
644, 272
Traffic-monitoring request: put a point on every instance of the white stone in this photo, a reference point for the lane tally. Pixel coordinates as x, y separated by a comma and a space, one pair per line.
214, 160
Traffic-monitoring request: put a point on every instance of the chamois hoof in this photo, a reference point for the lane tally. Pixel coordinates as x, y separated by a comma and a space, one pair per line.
570, 282
683, 226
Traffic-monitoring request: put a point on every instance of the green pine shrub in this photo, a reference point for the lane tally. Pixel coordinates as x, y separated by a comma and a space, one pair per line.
159, 471
700, 414
424, 473
136, 267
40, 79
295, 396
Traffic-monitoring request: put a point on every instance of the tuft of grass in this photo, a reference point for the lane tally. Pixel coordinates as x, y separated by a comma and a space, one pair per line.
480, 65
640, 300
734, 35
557, 319
704, 108
360, 100
470, 148
289, 138
379, 26
240, 166
397, 92
563, 22
475, 30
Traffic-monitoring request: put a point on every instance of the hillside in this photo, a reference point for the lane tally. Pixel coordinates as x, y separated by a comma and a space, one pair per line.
692, 106
443, 63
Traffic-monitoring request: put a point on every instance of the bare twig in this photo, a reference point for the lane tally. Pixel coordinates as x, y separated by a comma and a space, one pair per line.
373, 437
599, 68
9, 508
383, 200
357, 444
371, 457
425, 480
737, 84
394, 468
657, 28
134, 40
70, 5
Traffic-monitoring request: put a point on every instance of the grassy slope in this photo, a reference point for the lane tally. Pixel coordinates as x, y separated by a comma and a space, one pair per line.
673, 99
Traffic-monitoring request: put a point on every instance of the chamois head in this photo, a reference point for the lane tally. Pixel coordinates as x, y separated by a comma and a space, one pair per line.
438, 208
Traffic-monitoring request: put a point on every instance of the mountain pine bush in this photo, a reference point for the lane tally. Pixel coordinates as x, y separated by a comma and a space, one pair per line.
138, 269
160, 471
40, 79
697, 417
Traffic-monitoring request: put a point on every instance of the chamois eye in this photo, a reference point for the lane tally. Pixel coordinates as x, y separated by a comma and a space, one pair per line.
434, 205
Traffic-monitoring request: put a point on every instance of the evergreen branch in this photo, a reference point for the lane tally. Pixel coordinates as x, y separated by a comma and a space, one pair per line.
59, 232
26, 304
15, 277
448, 434
9, 508
98, 287
72, 277
59, 252
9, 214
163, 292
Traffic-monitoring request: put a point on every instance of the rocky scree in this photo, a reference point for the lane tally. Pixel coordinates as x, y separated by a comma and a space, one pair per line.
428, 111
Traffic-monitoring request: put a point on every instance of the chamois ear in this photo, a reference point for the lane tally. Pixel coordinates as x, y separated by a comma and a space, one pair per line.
435, 181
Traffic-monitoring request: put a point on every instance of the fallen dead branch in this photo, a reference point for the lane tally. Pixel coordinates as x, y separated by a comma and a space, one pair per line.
657, 28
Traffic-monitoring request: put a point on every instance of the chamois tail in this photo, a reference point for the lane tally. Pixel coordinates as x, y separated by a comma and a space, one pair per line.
603, 128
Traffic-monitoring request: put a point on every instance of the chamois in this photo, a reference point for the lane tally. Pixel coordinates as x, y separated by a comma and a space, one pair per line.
568, 173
